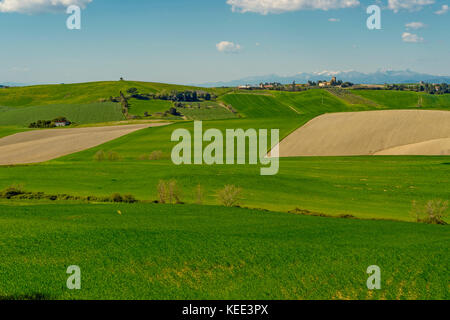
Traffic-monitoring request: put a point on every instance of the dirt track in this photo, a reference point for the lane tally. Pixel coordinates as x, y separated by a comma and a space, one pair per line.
43, 145
387, 132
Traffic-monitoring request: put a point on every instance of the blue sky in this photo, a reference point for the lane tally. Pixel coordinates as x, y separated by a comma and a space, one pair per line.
177, 41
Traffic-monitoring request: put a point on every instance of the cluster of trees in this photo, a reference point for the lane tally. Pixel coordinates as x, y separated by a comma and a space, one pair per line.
184, 96
49, 123
124, 102
422, 87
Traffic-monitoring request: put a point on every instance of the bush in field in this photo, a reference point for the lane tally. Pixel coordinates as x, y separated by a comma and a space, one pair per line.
143, 157
230, 196
11, 192
169, 192
162, 191
116, 197
132, 91
199, 195
156, 155
129, 198
110, 156
433, 212
100, 155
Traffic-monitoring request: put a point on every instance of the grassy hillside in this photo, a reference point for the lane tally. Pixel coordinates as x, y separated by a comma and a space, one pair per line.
196, 252
258, 106
367, 187
362, 186
207, 111
78, 113
139, 107
80, 93
406, 99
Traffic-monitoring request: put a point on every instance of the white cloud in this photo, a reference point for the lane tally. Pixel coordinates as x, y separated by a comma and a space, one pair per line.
411, 5
334, 20
411, 37
280, 6
228, 47
35, 6
415, 25
443, 10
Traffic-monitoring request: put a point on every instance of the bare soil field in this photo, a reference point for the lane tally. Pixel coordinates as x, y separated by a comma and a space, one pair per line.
43, 145
387, 132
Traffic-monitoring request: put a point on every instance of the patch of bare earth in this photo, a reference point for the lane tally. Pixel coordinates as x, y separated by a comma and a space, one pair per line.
386, 132
43, 145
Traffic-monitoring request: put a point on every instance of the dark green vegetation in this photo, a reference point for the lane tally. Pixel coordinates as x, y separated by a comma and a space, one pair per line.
201, 252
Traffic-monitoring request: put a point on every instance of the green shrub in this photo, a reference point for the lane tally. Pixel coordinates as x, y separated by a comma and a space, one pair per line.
169, 192
116, 197
162, 191
433, 212
230, 196
199, 195
100, 155
11, 192
156, 155
113, 156
129, 198
110, 156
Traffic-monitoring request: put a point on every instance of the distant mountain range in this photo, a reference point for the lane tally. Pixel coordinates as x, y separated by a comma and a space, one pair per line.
379, 77
12, 84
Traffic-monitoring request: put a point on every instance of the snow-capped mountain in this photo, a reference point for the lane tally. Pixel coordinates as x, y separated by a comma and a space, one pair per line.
378, 77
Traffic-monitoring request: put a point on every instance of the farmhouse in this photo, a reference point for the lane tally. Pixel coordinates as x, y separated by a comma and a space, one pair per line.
328, 83
61, 123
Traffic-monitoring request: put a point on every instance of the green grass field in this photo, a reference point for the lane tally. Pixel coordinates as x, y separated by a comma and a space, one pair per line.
367, 187
81, 93
201, 252
77, 113
406, 100
139, 107
207, 111
213, 252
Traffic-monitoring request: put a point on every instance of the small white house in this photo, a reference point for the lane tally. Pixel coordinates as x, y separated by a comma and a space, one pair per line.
61, 124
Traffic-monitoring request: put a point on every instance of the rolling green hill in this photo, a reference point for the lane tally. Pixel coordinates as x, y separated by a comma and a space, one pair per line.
209, 252
77, 113
406, 99
366, 187
258, 105
139, 107
81, 93
201, 252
